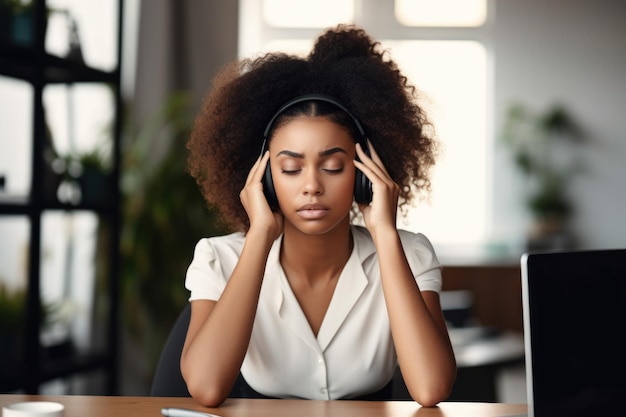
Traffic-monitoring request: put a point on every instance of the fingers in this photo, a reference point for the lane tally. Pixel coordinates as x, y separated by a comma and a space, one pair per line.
253, 183
372, 164
251, 195
374, 169
257, 170
376, 158
255, 204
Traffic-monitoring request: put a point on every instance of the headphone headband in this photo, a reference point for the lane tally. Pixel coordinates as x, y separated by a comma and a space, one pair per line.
310, 97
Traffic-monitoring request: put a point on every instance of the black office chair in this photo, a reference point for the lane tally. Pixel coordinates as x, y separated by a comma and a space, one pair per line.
168, 381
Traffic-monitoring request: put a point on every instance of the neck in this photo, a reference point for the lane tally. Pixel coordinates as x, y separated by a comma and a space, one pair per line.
316, 258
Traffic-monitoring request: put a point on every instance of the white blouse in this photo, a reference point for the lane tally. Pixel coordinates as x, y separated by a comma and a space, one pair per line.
353, 353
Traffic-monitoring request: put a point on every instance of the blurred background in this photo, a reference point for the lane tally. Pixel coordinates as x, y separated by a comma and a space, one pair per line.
98, 218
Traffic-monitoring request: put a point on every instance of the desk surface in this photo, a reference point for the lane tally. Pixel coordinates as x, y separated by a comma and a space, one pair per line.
96, 406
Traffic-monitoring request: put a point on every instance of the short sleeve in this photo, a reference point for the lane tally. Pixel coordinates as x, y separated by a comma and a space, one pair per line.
423, 261
214, 259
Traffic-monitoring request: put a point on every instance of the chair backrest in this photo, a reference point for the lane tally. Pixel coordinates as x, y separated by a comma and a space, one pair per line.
168, 381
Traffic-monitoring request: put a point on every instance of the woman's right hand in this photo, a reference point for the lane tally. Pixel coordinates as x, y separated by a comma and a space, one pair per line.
262, 218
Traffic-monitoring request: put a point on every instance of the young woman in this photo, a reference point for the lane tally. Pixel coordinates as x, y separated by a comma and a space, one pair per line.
299, 300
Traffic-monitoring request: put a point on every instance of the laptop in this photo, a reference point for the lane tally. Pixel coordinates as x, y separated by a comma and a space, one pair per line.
574, 307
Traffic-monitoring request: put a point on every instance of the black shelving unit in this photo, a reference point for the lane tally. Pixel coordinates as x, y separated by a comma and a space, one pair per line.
37, 67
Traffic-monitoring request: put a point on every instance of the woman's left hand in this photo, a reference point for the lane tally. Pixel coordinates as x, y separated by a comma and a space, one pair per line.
382, 211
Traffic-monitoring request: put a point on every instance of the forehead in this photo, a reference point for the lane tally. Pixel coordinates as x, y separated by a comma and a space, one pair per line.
305, 131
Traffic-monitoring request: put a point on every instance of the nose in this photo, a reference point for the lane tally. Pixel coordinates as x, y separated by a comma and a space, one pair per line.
312, 185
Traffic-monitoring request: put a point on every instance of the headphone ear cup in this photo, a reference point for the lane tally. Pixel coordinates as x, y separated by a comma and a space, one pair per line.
362, 189
268, 188
362, 185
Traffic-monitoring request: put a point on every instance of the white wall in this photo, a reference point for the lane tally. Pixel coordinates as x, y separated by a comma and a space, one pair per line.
209, 41
571, 52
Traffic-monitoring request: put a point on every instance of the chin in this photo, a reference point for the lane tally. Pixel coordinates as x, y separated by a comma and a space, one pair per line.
317, 227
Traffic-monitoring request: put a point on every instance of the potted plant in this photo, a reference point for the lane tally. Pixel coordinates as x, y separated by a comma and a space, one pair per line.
543, 148
95, 179
12, 319
17, 22
13, 310
85, 177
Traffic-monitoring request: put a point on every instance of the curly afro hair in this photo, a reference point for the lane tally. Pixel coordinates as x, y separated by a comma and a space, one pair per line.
345, 63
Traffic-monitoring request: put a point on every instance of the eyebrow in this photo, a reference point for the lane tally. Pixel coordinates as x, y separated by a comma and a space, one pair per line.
325, 153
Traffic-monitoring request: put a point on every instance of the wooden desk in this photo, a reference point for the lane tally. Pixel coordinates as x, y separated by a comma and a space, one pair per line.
95, 406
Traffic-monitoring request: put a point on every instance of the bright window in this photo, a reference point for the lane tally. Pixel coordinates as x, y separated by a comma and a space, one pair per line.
16, 119
441, 47
441, 12
456, 103
307, 13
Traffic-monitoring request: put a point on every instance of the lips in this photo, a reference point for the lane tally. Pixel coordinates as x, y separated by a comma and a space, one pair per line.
312, 211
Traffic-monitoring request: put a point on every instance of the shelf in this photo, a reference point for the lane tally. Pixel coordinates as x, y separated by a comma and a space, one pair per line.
22, 206
27, 64
58, 368
13, 204
40, 222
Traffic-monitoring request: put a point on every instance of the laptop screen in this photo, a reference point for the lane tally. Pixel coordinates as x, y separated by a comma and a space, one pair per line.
574, 306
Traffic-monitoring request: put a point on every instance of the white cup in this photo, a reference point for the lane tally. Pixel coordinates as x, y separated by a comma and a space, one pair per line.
33, 409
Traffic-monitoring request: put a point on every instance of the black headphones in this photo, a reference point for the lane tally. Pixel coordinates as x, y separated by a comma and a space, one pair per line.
362, 185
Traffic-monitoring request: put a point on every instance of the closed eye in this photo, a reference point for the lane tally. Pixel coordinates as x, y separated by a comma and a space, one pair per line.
290, 171
297, 171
